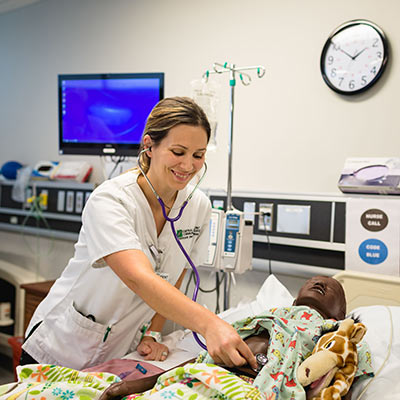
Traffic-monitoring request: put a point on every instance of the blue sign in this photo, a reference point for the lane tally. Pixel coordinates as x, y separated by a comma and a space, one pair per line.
373, 251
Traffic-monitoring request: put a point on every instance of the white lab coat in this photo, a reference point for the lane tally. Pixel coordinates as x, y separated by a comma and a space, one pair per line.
116, 217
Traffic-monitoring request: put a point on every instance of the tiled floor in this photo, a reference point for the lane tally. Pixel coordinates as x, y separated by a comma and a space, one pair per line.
6, 369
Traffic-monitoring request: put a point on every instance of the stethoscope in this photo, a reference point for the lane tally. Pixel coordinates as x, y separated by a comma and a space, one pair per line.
172, 221
372, 172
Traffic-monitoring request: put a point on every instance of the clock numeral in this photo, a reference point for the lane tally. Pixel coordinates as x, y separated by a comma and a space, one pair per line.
335, 46
363, 80
379, 54
373, 70
352, 84
341, 79
330, 60
375, 42
333, 72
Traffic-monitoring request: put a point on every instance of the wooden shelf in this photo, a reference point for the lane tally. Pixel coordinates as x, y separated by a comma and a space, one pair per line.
34, 294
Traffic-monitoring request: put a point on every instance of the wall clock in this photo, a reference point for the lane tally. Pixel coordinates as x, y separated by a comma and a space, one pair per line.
354, 57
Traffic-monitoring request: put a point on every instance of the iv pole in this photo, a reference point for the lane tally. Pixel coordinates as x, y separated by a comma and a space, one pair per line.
246, 80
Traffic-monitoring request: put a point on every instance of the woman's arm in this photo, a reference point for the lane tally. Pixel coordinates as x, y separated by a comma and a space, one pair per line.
223, 343
148, 347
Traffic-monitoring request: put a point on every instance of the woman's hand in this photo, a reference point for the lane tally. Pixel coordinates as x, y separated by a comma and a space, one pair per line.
151, 350
226, 347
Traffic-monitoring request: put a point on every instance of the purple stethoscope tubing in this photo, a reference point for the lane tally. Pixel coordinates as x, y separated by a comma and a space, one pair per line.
196, 289
171, 221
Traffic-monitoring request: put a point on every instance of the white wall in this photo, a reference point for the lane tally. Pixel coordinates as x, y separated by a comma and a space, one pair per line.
292, 133
45, 257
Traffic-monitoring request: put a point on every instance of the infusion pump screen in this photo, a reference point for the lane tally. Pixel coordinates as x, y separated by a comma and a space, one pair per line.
232, 223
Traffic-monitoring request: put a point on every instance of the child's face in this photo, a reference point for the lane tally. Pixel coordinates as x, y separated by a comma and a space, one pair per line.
324, 294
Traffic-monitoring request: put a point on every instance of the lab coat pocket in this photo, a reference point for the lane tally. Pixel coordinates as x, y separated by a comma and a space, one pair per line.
71, 338
118, 338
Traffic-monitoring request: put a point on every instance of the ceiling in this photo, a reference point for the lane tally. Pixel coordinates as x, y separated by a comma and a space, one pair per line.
11, 5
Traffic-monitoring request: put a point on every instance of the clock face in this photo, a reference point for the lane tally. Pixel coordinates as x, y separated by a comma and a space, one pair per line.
354, 57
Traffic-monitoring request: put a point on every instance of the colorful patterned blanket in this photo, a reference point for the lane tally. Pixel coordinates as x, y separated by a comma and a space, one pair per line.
293, 333
200, 381
191, 382
50, 382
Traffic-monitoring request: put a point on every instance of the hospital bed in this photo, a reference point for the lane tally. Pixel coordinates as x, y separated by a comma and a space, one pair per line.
364, 289
375, 299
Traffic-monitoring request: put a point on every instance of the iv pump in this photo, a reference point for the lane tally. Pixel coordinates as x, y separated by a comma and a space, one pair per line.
231, 241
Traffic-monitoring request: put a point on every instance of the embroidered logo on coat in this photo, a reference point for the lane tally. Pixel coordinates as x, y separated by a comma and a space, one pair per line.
188, 233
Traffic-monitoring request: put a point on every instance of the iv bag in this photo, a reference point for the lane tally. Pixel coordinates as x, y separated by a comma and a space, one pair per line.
205, 94
18, 192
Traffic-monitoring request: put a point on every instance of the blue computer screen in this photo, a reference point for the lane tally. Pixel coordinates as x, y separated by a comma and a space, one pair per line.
105, 111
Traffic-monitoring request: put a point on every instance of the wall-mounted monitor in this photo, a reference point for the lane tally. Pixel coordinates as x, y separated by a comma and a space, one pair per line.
105, 114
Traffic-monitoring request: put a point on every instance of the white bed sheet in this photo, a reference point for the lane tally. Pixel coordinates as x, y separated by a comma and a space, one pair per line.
382, 322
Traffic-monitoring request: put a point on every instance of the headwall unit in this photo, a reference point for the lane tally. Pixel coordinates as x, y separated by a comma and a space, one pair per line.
298, 229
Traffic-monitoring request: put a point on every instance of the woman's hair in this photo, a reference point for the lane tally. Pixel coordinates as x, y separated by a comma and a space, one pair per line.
167, 114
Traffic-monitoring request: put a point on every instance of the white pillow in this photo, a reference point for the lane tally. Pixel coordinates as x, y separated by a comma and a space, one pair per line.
380, 322
271, 294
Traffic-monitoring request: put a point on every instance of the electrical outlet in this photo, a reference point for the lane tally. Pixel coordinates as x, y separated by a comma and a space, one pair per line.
249, 209
69, 206
61, 201
265, 218
79, 202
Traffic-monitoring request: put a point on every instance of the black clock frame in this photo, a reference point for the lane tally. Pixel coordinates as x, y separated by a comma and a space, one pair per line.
328, 42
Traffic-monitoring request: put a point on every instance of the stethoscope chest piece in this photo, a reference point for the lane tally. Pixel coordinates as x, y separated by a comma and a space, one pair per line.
261, 359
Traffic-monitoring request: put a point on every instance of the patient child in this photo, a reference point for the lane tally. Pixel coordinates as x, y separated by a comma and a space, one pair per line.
321, 293
320, 299
325, 295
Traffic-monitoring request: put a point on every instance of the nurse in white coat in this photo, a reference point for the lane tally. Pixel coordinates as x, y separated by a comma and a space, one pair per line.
123, 281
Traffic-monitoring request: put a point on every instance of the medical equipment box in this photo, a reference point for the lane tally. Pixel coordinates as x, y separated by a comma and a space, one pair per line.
371, 176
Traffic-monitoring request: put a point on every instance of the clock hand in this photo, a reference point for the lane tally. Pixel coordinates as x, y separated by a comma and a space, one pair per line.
347, 54
359, 53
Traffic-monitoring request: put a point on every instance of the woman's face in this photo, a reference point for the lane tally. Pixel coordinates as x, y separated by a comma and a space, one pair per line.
178, 157
324, 294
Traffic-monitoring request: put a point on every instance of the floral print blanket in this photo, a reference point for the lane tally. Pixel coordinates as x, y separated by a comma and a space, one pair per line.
196, 381
199, 381
293, 332
50, 382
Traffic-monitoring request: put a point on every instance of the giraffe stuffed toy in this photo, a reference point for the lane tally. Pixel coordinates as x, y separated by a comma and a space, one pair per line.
330, 370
